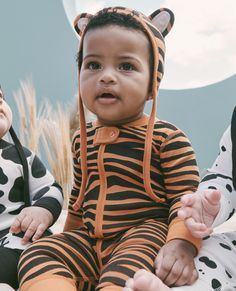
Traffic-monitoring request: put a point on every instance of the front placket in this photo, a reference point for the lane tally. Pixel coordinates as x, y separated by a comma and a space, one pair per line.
104, 136
102, 192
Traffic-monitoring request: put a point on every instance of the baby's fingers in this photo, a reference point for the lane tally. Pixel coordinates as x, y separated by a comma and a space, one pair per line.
29, 232
189, 199
39, 232
186, 212
16, 225
187, 277
197, 229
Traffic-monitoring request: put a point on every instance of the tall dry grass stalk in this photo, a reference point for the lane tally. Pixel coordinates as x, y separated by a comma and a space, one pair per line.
48, 133
57, 145
29, 125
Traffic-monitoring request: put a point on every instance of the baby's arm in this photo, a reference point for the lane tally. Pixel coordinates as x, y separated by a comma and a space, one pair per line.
46, 199
175, 261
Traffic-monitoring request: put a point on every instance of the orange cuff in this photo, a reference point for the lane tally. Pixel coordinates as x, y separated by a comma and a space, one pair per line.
178, 230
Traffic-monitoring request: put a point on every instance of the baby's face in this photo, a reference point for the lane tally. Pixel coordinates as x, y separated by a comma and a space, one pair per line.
5, 116
115, 74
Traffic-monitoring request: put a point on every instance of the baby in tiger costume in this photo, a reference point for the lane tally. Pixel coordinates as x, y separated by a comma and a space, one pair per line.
130, 169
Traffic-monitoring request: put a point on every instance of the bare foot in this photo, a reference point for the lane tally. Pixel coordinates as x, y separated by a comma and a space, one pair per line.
145, 281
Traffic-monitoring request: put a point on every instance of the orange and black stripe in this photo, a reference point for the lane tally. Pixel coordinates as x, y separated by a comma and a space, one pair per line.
119, 227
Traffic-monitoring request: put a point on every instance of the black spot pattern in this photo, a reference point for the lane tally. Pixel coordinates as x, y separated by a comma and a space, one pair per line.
16, 193
1, 193
37, 164
3, 177
225, 246
228, 274
215, 176
216, 285
41, 193
231, 213
206, 237
11, 154
234, 242
223, 149
209, 263
212, 187
17, 211
2, 208
229, 188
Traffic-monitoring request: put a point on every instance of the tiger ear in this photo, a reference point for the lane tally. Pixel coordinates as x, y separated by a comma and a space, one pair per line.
163, 19
81, 22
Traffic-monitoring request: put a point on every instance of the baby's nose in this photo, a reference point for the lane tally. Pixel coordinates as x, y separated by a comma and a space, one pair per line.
108, 76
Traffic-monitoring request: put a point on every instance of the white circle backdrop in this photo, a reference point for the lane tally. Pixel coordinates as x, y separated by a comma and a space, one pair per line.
200, 49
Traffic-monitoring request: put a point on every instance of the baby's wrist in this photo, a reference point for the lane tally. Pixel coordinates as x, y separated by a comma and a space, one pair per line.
187, 245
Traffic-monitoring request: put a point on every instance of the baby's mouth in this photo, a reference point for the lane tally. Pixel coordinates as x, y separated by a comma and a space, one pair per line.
107, 98
107, 95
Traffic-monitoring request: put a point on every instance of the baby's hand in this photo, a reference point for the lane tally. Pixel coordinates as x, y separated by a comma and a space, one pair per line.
175, 263
33, 221
199, 211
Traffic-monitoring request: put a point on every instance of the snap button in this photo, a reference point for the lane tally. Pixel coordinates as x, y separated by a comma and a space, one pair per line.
106, 135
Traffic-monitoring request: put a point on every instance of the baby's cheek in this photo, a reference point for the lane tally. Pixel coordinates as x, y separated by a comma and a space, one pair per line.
4, 126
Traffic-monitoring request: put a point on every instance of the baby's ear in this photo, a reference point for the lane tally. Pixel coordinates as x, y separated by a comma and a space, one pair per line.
81, 22
163, 20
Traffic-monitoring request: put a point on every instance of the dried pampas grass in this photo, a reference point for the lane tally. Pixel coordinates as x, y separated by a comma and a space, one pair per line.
29, 125
48, 133
57, 145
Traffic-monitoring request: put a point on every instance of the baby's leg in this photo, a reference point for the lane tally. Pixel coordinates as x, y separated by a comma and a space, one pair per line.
63, 262
8, 270
215, 265
136, 250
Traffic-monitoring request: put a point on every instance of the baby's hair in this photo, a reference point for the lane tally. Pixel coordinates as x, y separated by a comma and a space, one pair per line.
104, 18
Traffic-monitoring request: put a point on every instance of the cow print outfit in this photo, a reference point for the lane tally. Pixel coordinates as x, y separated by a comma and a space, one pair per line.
216, 262
43, 192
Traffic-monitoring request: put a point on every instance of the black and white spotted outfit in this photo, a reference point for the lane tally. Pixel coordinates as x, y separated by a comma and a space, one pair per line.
43, 190
216, 262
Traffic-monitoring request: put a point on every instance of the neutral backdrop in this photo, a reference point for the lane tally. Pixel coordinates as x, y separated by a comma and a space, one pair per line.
37, 42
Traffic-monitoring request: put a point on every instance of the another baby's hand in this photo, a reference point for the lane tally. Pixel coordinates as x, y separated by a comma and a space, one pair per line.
33, 221
199, 211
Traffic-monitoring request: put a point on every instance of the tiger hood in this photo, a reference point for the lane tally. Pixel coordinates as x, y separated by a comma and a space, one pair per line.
156, 27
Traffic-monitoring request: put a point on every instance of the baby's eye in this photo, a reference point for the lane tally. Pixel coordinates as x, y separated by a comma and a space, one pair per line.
126, 67
93, 66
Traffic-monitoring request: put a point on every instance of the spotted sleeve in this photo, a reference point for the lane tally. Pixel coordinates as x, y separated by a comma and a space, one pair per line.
44, 190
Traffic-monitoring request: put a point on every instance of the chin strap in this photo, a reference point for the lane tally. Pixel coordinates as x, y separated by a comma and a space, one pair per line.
23, 159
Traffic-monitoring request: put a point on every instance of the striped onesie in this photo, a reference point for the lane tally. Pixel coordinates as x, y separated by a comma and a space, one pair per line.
120, 226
